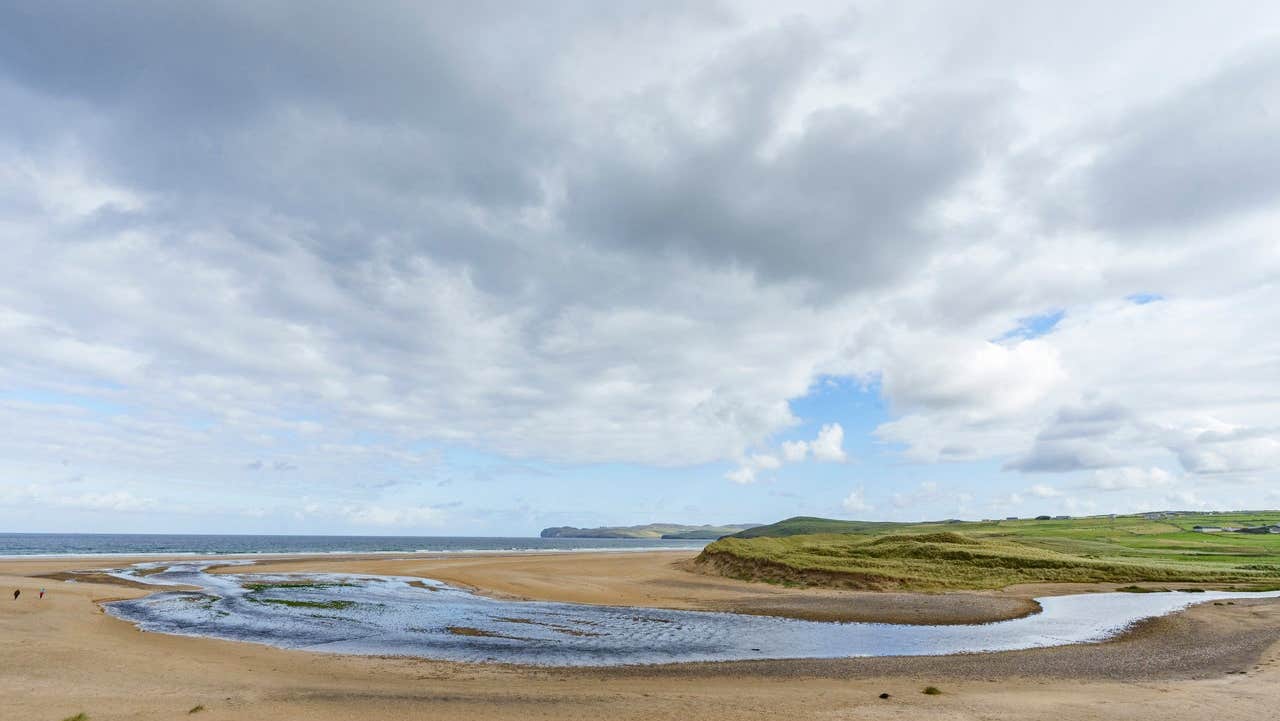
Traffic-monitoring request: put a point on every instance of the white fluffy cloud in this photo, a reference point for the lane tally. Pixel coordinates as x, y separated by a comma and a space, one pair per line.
828, 446
795, 451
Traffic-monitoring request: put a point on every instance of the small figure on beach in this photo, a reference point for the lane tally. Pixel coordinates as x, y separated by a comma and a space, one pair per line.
42, 593
17, 592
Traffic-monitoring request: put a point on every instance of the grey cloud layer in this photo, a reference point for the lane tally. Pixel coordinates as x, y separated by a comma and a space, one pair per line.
1210, 150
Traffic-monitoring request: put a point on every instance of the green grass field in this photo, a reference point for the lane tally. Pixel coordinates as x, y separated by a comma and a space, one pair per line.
994, 554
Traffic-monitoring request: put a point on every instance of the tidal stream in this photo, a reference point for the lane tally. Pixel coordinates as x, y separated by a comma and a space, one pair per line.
385, 615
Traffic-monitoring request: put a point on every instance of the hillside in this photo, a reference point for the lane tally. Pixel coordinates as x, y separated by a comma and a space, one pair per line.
651, 530
801, 525
993, 554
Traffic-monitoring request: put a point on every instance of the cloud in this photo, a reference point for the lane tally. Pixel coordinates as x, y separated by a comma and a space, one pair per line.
1063, 456
851, 191
112, 501
795, 451
748, 470
987, 377
1224, 163
1041, 490
1186, 500
1129, 478
116, 501
828, 447
1147, 410
380, 516
856, 502
1229, 449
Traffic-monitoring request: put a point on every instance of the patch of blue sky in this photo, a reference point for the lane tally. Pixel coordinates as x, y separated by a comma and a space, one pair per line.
895, 487
1034, 326
857, 406
1144, 298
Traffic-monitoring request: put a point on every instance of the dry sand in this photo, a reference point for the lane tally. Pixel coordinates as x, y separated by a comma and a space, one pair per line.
63, 655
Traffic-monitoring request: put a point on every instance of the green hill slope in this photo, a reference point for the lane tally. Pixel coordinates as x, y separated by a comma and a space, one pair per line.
808, 524
993, 554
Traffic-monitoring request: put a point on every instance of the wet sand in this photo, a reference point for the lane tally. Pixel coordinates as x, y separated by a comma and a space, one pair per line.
64, 655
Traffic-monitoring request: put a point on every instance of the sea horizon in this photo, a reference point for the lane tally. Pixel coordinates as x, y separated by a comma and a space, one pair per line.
219, 544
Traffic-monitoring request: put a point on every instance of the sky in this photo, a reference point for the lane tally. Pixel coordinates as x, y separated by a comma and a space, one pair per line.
478, 268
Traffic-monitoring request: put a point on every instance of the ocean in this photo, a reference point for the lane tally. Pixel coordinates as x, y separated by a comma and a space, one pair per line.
134, 544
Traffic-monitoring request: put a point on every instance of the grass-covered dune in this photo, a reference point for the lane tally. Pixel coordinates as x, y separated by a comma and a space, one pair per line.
994, 554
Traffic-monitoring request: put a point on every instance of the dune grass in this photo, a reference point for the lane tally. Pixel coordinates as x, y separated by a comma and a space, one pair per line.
994, 554
82, 716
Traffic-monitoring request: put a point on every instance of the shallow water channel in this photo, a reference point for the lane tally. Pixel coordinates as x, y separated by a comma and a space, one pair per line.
382, 615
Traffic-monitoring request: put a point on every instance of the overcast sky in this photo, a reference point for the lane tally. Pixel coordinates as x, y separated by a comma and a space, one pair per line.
480, 268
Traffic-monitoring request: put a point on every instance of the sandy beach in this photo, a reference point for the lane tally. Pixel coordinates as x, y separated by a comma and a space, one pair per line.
65, 656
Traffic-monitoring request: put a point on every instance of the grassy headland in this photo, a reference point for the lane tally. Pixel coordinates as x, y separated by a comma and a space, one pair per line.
993, 554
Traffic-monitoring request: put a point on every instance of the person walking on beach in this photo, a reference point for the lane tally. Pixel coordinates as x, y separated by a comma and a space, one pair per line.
17, 592
42, 593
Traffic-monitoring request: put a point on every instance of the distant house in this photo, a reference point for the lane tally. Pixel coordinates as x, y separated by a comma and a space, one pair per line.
1043, 518
1011, 518
1153, 516
1062, 518
1207, 529
1259, 529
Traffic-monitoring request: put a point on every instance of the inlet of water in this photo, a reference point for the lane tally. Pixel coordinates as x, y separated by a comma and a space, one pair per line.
382, 615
